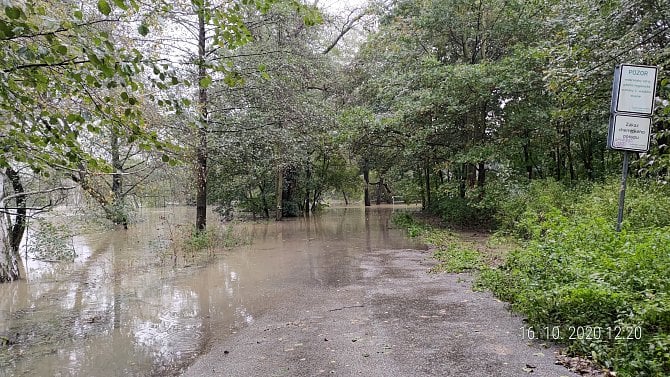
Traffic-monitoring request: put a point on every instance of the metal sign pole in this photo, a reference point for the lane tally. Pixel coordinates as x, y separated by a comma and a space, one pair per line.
622, 191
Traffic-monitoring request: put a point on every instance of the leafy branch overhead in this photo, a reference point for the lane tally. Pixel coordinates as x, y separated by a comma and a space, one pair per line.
64, 77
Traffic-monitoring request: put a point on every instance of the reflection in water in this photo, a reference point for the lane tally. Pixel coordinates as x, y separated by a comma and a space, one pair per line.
118, 311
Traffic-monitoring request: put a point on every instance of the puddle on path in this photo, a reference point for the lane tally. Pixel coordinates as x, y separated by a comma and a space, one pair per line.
118, 311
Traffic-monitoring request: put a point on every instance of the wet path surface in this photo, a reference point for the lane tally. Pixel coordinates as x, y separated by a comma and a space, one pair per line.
397, 320
390, 317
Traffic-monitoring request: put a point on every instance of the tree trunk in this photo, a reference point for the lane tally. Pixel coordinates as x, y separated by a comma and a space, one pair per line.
19, 226
279, 189
264, 202
118, 207
559, 162
472, 175
481, 174
315, 201
464, 175
527, 161
378, 191
9, 267
568, 151
427, 179
366, 178
307, 203
201, 151
346, 201
308, 178
291, 200
82, 178
423, 187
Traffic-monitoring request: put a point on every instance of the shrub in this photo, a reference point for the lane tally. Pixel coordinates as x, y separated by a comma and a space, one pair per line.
463, 212
575, 270
405, 220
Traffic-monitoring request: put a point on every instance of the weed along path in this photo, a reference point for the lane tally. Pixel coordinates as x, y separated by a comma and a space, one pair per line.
363, 303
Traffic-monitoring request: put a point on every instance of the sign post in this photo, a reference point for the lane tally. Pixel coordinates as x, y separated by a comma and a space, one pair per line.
622, 191
633, 93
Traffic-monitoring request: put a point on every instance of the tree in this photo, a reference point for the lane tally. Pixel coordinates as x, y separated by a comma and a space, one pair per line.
277, 120
207, 33
472, 90
59, 62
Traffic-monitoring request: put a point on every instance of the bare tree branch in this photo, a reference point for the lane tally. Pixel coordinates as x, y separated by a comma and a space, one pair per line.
345, 29
62, 188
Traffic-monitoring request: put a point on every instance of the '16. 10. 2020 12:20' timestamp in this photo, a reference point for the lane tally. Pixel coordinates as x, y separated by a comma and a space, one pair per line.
559, 333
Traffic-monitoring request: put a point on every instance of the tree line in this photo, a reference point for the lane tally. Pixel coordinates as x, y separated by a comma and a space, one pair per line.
271, 106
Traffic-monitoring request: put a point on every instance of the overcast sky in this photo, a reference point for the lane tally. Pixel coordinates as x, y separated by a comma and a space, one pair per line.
338, 5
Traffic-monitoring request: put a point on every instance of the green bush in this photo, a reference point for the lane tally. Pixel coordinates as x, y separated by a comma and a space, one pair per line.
464, 212
575, 270
199, 240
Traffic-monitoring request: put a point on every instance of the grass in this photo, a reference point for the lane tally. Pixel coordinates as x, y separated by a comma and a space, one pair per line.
452, 250
458, 258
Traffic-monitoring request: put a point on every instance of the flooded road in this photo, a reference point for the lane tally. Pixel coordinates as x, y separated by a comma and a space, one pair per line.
124, 308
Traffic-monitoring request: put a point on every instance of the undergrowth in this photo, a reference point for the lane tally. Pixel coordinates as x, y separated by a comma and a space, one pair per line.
51, 242
575, 272
453, 253
190, 245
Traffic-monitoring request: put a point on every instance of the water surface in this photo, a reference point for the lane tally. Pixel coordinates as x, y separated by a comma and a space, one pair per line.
126, 308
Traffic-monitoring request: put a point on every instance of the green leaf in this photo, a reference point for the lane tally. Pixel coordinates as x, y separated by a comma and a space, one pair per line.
90, 80
74, 118
104, 7
165, 158
14, 13
205, 82
6, 29
79, 15
121, 4
143, 30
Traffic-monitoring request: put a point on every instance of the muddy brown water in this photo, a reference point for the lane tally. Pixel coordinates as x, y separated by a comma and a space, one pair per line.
124, 308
